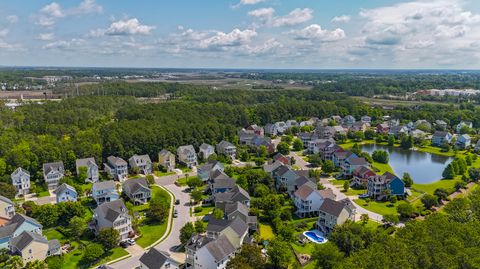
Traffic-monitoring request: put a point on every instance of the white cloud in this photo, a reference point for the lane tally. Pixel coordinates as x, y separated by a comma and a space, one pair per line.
295, 17
128, 27
269, 46
12, 18
316, 33
87, 6
236, 37
3, 33
250, 2
343, 18
46, 36
51, 13
71, 44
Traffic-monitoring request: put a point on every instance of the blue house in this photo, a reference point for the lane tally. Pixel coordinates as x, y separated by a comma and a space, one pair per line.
66, 193
204, 172
440, 137
17, 225
384, 186
463, 141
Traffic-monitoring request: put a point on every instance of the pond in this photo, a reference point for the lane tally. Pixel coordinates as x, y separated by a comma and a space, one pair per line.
423, 167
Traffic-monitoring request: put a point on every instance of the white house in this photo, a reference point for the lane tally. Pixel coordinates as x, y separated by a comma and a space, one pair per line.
187, 155
104, 191
209, 253
113, 215
332, 213
142, 163
7, 208
117, 168
166, 159
65, 193
91, 166
227, 148
308, 199
21, 181
52, 173
206, 151
463, 124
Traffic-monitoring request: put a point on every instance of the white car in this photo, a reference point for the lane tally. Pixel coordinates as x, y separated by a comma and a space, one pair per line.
131, 241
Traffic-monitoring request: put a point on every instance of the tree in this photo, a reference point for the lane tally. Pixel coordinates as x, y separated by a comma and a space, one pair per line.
391, 140
449, 172
7, 190
327, 255
283, 148
406, 142
279, 253
109, 238
364, 218
262, 151
429, 201
158, 210
315, 160
200, 226
380, 156
150, 180
194, 182
356, 149
217, 213
474, 174
407, 180
77, 227
358, 136
37, 264
250, 257
186, 232
82, 174
92, 253
297, 144
390, 219
196, 195
369, 134
328, 167
441, 194
346, 186
405, 210
14, 262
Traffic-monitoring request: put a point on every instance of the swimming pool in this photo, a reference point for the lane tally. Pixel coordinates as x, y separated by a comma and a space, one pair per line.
315, 236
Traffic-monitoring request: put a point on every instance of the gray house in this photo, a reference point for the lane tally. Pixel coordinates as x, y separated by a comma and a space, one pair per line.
227, 148
187, 156
113, 215
91, 166
117, 168
156, 259
104, 191
137, 190
52, 173
21, 181
65, 193
142, 163
206, 151
166, 159
205, 170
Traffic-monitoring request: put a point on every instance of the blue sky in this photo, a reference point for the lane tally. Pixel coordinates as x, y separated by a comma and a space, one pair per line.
242, 33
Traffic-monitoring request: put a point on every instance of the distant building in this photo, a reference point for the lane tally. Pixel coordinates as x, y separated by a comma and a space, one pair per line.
206, 151
91, 166
187, 156
117, 168
142, 163
166, 159
21, 181
463, 141
7, 208
441, 137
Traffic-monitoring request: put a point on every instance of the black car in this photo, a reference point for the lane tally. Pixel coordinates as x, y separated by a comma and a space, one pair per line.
124, 244
177, 202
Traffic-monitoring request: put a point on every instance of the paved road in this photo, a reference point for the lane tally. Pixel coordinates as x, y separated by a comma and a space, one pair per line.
172, 240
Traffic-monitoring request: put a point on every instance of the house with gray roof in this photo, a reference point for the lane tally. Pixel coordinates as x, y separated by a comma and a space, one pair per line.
117, 168
204, 252
332, 213
187, 155
21, 181
113, 215
104, 191
7, 208
236, 230
137, 190
142, 163
285, 178
463, 141
204, 172
15, 226
237, 194
308, 199
441, 137
32, 246
91, 166
166, 159
157, 259
52, 173
65, 193
205, 151
221, 184
239, 210
228, 149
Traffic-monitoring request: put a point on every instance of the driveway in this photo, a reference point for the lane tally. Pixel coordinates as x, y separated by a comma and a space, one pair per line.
299, 161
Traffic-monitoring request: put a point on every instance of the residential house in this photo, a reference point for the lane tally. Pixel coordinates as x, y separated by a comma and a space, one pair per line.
349, 121
383, 128
393, 122
308, 200
52, 173
282, 158
15, 226
281, 127
332, 213
299, 182
271, 129
398, 130
236, 194
463, 141
441, 125
463, 124
117, 168
309, 122
227, 149
271, 166
113, 215
157, 259
245, 138
360, 126
142, 163
204, 171
104, 191
424, 123
91, 167
259, 141
7, 209
360, 177
187, 156
255, 129
285, 178
366, 119
239, 210
236, 230
166, 159
21, 181
292, 123
384, 186
337, 119
307, 137
441, 137
340, 155
418, 133
137, 190
351, 164
221, 182
340, 130
477, 146
206, 151
205, 252
325, 132
65, 193
322, 146
31, 246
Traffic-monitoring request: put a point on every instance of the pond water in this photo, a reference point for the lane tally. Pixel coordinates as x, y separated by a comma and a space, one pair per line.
423, 167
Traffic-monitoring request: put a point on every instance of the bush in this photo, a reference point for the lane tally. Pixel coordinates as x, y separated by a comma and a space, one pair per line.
197, 209
380, 156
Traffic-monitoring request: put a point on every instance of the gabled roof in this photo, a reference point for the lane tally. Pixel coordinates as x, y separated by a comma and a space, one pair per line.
85, 162
20, 170
49, 167
6, 200
358, 161
133, 185
272, 166
304, 191
165, 153
54, 244
205, 146
140, 159
63, 188
233, 207
332, 207
327, 193
225, 144
208, 166
304, 180
218, 174
440, 134
220, 248
112, 210
103, 185
25, 238
154, 259
116, 161
221, 183
186, 149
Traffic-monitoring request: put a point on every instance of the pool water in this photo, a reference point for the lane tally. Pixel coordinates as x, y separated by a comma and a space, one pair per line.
315, 237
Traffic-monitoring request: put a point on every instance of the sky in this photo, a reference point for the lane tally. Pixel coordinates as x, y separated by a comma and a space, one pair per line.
299, 34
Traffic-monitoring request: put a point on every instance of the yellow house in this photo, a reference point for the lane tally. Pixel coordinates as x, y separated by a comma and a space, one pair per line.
33, 246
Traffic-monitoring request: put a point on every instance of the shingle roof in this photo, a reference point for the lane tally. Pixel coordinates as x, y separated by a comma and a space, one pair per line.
358, 161
19, 169
116, 161
54, 244
141, 159
154, 259
112, 210
14, 223
205, 146
218, 174
304, 191
225, 144
56, 166
220, 183
63, 188
133, 185
332, 207
25, 238
186, 149
208, 165
220, 248
230, 208
327, 193
165, 152
85, 162
102, 185
6, 200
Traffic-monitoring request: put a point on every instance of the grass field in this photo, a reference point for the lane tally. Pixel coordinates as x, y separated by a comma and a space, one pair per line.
205, 210
438, 151
431, 187
382, 168
382, 208
162, 174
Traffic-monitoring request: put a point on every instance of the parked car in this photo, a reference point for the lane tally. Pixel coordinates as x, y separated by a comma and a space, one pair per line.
363, 196
124, 244
175, 213
130, 241
177, 202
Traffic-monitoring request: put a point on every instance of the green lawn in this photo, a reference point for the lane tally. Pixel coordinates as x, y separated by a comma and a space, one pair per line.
382, 208
205, 210
43, 194
372, 224
162, 174
437, 150
430, 188
339, 182
381, 168
113, 254
352, 192
349, 144
266, 232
